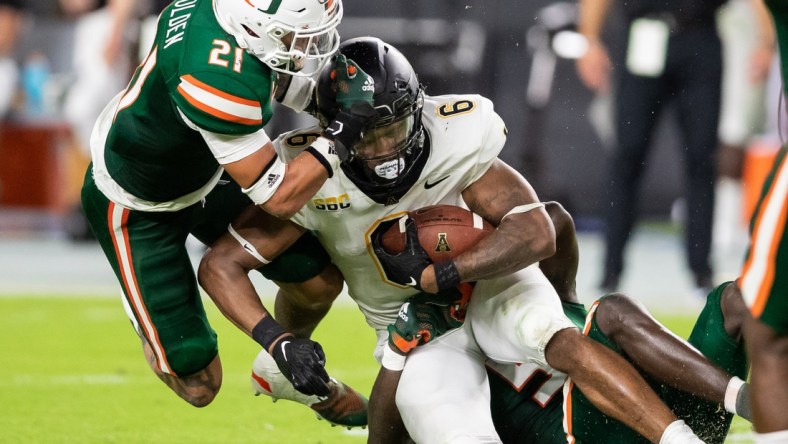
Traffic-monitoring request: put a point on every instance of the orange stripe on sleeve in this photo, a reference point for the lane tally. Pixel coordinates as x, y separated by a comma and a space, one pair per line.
765, 286
204, 86
215, 112
772, 198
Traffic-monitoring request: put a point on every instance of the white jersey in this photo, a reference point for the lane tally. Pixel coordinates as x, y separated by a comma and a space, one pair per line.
465, 136
443, 394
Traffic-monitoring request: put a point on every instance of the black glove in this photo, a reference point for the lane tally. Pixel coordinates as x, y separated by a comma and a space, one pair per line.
302, 361
403, 268
345, 130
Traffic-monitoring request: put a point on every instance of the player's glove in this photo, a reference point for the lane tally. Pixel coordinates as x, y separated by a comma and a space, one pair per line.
454, 300
416, 324
405, 268
355, 90
301, 361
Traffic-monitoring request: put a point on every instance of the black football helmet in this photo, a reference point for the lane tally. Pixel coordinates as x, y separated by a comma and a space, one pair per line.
391, 150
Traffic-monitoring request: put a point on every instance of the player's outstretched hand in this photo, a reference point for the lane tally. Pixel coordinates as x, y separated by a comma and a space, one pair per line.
355, 92
302, 361
403, 268
353, 85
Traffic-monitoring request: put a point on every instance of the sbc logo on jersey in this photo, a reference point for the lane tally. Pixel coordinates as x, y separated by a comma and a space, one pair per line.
332, 203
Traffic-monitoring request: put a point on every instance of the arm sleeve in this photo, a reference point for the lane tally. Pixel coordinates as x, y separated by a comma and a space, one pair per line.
227, 148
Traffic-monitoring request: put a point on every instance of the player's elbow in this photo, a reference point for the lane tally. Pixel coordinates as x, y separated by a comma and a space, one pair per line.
210, 267
562, 220
543, 242
215, 267
281, 208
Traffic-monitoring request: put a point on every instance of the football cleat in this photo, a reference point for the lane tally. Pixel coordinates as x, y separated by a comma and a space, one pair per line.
343, 407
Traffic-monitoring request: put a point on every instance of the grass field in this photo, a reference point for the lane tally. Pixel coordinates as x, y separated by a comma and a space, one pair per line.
73, 372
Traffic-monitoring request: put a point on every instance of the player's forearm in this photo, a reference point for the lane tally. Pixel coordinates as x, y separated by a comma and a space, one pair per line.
561, 268
305, 175
228, 285
519, 241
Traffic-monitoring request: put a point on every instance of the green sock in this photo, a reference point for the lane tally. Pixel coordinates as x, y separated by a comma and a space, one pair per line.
709, 420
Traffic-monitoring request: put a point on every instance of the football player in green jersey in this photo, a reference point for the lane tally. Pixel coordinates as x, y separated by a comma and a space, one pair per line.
182, 150
764, 282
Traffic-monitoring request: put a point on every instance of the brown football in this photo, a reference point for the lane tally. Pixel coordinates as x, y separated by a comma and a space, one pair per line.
444, 231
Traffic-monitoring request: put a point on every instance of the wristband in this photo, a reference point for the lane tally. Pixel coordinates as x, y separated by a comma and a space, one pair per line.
323, 150
446, 275
267, 331
392, 360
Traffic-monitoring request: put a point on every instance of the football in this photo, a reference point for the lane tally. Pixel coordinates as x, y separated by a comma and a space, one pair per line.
444, 231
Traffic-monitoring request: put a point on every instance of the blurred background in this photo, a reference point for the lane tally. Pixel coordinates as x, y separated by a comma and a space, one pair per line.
61, 61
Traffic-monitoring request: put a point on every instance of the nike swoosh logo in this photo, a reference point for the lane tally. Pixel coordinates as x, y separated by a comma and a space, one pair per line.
284, 352
412, 282
428, 185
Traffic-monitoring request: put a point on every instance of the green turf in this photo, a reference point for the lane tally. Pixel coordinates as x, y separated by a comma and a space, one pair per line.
73, 372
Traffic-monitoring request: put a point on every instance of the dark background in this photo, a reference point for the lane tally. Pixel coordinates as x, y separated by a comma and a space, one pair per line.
475, 46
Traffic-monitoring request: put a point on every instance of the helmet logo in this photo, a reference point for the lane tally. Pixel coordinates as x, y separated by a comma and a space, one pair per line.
272, 8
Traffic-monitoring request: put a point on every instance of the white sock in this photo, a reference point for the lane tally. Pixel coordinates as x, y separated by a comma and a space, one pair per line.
679, 433
732, 394
780, 437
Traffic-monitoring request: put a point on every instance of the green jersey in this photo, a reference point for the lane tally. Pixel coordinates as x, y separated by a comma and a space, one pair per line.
149, 146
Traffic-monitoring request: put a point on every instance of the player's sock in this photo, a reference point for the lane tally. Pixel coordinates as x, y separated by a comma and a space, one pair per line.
678, 432
709, 419
780, 437
737, 398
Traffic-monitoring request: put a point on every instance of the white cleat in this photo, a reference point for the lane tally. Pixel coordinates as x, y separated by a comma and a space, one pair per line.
343, 407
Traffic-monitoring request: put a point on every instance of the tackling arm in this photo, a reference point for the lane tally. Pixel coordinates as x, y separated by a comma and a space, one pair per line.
224, 270
303, 177
561, 268
252, 240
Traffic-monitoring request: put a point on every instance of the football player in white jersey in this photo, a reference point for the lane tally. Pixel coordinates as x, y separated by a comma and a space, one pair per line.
440, 150
528, 401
